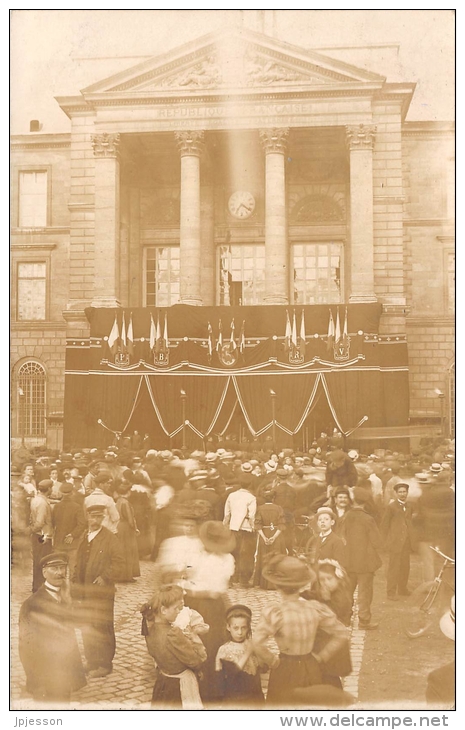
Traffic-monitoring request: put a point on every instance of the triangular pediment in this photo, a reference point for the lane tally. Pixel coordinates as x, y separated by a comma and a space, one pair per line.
234, 59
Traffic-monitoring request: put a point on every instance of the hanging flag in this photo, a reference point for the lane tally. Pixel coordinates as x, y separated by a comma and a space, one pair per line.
210, 340
123, 335
287, 334
242, 339
294, 331
337, 333
153, 334
231, 339
345, 333
113, 338
330, 341
302, 334
165, 333
219, 343
130, 337
158, 335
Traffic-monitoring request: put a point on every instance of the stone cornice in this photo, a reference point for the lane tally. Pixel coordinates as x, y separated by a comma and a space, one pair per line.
37, 326
40, 141
49, 231
432, 222
428, 130
430, 321
33, 246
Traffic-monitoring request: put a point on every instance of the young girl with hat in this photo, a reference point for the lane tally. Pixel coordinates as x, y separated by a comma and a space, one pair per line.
178, 658
294, 624
237, 663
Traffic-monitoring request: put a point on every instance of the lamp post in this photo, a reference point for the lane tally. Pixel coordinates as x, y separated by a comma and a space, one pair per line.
184, 422
273, 415
441, 397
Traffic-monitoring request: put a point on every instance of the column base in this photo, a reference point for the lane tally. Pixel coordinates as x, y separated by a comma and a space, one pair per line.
192, 301
362, 298
109, 302
276, 299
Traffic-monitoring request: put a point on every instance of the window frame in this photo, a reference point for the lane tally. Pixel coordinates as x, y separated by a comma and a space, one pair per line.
315, 241
31, 255
19, 410
240, 244
164, 244
48, 210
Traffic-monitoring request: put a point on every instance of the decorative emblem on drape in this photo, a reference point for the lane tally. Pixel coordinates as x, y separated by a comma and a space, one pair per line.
159, 344
295, 346
121, 343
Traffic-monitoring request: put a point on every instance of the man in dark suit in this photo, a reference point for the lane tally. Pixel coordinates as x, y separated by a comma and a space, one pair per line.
69, 523
363, 542
99, 563
48, 647
398, 533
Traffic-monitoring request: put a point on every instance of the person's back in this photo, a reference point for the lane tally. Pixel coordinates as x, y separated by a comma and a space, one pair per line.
362, 538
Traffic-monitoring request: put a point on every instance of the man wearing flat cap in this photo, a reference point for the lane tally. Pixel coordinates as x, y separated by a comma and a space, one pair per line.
99, 564
41, 530
48, 647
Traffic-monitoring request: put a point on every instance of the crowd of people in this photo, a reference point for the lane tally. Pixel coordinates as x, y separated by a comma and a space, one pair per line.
312, 526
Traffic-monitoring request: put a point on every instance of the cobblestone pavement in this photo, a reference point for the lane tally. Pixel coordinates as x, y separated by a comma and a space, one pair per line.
130, 685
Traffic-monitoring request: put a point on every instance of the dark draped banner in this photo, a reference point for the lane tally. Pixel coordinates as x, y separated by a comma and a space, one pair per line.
228, 365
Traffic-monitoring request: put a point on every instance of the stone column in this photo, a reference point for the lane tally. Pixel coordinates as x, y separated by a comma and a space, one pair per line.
360, 140
190, 146
107, 220
276, 254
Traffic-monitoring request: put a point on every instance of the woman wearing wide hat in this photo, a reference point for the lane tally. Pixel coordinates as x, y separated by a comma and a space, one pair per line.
206, 587
293, 624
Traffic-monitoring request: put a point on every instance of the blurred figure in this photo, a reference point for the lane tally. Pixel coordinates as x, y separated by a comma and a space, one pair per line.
48, 647
440, 689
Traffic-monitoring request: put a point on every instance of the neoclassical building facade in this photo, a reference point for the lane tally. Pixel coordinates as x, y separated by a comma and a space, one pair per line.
235, 171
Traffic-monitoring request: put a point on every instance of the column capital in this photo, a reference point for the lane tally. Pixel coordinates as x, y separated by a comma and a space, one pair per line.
106, 145
190, 143
274, 139
360, 136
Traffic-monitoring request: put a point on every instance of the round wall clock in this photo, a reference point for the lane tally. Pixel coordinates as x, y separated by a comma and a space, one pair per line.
241, 204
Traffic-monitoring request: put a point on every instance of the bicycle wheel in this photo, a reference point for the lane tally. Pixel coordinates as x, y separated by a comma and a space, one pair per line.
421, 612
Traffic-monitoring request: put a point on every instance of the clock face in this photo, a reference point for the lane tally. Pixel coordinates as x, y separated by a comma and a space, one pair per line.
241, 204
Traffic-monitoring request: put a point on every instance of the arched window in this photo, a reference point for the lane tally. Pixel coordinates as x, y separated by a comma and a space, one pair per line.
452, 400
31, 389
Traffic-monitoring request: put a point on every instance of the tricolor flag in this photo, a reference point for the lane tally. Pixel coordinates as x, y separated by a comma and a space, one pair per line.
345, 333
123, 335
287, 334
153, 333
130, 337
242, 339
165, 333
330, 341
302, 334
158, 335
231, 339
337, 334
210, 340
219, 342
113, 337
294, 331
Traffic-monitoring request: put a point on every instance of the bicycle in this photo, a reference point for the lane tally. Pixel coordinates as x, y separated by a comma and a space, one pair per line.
426, 605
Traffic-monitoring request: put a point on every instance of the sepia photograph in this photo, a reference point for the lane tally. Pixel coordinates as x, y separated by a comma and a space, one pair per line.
232, 361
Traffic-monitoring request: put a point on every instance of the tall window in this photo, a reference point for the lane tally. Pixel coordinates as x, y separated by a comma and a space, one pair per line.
32, 199
31, 399
161, 276
31, 291
241, 274
317, 273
